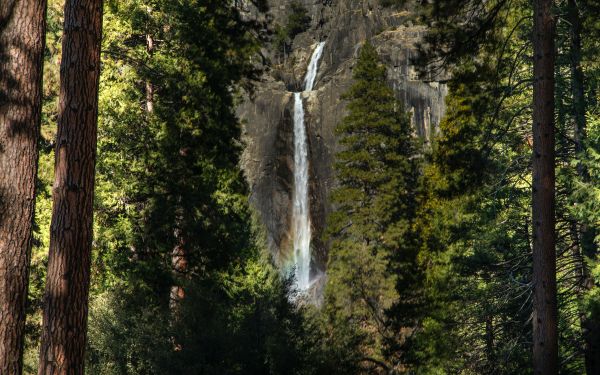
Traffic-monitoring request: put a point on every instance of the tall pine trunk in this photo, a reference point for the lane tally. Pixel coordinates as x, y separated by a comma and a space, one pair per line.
22, 34
545, 314
590, 327
67, 287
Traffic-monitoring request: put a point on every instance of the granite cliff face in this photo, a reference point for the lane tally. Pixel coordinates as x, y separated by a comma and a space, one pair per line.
268, 119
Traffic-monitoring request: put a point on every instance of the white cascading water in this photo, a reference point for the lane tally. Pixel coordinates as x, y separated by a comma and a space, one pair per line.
301, 208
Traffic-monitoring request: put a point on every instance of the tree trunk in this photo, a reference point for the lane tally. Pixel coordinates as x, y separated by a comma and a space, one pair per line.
179, 264
179, 268
149, 85
22, 35
590, 328
489, 339
67, 286
545, 315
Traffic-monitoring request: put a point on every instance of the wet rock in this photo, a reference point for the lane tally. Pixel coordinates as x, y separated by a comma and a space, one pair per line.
268, 123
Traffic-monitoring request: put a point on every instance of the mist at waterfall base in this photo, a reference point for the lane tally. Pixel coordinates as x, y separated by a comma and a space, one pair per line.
301, 206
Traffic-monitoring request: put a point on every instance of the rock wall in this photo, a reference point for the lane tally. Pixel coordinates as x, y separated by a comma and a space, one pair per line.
268, 127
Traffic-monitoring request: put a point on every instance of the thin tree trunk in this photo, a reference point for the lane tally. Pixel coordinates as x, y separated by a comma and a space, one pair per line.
179, 264
22, 34
590, 328
67, 287
149, 85
179, 268
545, 315
489, 339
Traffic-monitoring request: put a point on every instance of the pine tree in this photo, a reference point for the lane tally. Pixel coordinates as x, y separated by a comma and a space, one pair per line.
545, 309
22, 35
583, 231
373, 208
474, 216
68, 281
466, 28
473, 224
169, 179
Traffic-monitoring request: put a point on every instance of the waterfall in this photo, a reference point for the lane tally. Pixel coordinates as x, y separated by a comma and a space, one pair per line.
300, 213
301, 207
313, 66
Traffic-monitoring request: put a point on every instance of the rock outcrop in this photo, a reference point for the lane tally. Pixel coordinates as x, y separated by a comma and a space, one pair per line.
268, 126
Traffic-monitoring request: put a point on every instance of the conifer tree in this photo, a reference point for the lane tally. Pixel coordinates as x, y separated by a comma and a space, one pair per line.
373, 208
473, 223
22, 35
545, 310
583, 229
64, 330
169, 180
465, 28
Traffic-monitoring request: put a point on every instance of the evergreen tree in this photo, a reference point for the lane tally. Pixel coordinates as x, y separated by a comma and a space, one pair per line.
578, 238
67, 287
545, 308
298, 21
22, 33
474, 217
45, 179
169, 180
475, 181
431, 262
474, 243
370, 227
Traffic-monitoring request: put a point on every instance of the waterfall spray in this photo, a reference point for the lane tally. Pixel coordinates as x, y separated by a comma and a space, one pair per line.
301, 208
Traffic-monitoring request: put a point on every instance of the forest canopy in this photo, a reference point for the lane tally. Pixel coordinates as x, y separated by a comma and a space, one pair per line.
431, 169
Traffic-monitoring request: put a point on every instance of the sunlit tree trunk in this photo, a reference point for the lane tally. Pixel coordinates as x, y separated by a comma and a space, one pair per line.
545, 315
22, 34
149, 85
67, 286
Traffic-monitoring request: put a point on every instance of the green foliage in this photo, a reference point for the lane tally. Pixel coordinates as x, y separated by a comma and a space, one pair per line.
474, 220
170, 174
238, 323
298, 21
281, 39
176, 165
475, 212
374, 204
429, 269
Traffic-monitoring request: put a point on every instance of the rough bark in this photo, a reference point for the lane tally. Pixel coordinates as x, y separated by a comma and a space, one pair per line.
586, 234
67, 286
545, 330
22, 32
